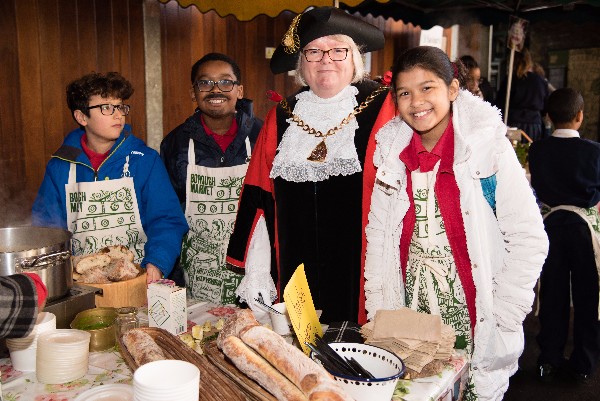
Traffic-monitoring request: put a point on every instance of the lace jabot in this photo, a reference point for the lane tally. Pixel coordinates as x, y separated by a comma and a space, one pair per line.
291, 162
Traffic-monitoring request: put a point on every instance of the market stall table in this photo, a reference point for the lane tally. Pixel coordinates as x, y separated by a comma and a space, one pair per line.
109, 367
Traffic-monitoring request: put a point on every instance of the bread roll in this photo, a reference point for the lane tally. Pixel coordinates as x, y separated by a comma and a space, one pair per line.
94, 276
92, 262
314, 381
258, 369
117, 252
121, 270
142, 347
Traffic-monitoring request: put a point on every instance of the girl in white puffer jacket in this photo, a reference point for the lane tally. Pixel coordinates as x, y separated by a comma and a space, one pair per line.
454, 228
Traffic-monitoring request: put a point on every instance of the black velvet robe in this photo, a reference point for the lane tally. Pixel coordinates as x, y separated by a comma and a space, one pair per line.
320, 224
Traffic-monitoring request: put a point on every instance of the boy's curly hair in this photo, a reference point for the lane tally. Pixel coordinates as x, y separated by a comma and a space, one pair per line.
112, 84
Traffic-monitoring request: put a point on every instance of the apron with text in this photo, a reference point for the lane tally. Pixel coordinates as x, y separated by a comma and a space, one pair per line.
212, 196
104, 213
432, 282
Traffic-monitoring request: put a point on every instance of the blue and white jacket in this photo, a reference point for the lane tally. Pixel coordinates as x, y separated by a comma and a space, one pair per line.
162, 218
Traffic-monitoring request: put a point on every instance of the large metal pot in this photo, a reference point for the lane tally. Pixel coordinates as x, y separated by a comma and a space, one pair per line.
42, 250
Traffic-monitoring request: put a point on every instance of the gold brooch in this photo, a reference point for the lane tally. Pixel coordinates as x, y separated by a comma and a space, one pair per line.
291, 41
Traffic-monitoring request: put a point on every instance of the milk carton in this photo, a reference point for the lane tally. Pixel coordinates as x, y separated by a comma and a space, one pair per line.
167, 307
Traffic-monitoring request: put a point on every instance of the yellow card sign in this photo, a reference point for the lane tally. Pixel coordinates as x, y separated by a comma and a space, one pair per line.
301, 309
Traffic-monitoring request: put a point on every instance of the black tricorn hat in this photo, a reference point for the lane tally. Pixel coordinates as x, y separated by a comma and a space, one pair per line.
319, 22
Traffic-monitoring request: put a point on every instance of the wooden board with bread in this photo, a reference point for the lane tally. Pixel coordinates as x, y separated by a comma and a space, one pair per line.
123, 283
253, 390
146, 344
279, 367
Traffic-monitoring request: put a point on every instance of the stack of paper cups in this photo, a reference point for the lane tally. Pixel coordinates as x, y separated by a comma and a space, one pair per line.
168, 379
62, 356
23, 350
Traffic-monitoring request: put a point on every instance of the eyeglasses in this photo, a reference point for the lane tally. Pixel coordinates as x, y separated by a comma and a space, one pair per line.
316, 55
207, 85
109, 109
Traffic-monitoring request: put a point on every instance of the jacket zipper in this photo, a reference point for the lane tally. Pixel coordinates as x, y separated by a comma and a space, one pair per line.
90, 167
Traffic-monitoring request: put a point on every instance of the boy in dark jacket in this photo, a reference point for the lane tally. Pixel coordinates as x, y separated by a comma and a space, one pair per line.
565, 173
206, 158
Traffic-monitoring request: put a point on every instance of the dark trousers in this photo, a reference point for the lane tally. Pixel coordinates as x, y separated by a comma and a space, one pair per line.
570, 267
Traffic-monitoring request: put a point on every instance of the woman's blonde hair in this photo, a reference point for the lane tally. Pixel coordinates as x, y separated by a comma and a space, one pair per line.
359, 66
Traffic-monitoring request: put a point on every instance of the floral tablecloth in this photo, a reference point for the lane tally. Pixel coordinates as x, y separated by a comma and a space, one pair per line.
108, 367
104, 368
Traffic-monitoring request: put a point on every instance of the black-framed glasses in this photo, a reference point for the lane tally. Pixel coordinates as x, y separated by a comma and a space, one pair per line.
108, 109
207, 85
335, 54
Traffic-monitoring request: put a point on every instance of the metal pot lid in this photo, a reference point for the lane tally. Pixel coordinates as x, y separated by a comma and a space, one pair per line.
22, 239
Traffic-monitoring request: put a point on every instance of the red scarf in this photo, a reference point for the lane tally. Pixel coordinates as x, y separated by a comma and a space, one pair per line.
448, 197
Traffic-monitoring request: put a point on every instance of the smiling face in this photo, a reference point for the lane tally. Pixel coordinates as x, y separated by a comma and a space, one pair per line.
424, 100
102, 131
327, 78
216, 104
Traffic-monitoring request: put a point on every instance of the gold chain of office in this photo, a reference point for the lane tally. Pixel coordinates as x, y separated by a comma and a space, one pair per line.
319, 153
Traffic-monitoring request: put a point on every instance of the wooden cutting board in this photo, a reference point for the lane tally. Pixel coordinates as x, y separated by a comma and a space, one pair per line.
252, 389
214, 385
123, 293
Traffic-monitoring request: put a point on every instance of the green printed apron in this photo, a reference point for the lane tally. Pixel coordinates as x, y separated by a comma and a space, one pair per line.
592, 218
432, 282
212, 196
103, 213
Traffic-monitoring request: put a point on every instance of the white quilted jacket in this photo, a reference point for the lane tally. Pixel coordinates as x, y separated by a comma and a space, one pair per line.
506, 252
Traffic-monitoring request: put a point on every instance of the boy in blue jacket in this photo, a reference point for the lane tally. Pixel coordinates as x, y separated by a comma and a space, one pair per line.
106, 186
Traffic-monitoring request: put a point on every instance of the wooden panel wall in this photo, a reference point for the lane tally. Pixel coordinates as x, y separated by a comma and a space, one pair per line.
44, 45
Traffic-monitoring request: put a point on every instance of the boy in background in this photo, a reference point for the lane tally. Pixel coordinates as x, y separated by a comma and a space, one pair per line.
565, 173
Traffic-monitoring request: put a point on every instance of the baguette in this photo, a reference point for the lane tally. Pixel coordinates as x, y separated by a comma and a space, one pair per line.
314, 381
236, 324
255, 367
142, 347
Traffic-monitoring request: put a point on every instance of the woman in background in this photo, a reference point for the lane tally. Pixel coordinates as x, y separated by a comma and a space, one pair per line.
528, 94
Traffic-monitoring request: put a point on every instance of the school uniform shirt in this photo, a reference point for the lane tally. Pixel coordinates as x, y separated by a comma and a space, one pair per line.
161, 217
